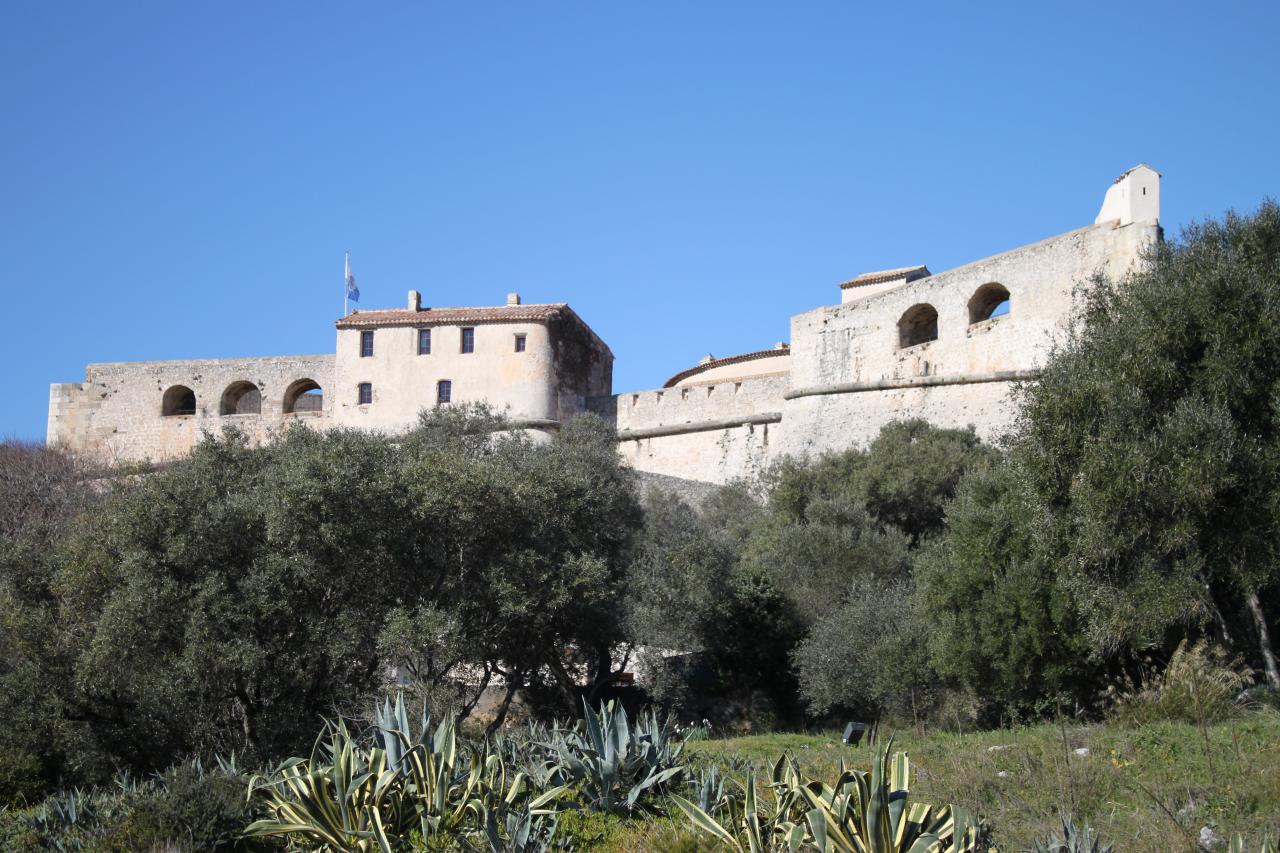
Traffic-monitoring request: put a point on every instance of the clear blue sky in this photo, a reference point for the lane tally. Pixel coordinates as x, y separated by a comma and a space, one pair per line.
181, 179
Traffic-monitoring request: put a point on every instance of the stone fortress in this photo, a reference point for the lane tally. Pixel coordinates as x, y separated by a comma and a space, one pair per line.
946, 347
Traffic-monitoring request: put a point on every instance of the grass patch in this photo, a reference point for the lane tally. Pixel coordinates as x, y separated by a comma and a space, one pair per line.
1144, 788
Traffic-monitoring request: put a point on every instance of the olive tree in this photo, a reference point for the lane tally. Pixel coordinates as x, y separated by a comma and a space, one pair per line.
1151, 444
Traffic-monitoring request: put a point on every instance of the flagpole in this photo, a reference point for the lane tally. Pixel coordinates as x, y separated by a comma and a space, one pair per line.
346, 276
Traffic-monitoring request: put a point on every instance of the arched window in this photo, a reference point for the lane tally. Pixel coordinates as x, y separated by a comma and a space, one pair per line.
990, 300
241, 398
918, 325
178, 400
303, 396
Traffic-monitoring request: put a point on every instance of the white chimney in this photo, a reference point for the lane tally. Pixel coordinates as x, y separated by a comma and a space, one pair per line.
513, 299
415, 300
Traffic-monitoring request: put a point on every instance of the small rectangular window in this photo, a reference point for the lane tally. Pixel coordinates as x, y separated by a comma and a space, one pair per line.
444, 391
366, 344
424, 342
520, 340
366, 393
468, 340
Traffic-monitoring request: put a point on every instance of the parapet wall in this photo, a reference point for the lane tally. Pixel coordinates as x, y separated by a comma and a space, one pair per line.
116, 414
713, 432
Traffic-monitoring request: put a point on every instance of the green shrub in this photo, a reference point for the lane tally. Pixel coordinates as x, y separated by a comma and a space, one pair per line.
21, 778
578, 829
185, 809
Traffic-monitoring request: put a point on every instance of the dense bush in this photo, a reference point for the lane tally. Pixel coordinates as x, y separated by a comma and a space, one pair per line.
738, 587
1001, 623
186, 808
228, 601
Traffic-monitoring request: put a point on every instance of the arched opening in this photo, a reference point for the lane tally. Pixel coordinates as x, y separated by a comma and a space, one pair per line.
303, 396
918, 325
990, 300
241, 398
178, 400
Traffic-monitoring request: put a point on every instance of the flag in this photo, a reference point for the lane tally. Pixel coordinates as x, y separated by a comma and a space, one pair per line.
353, 292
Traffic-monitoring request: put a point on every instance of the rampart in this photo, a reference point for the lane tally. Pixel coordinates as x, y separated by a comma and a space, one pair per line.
714, 432
119, 412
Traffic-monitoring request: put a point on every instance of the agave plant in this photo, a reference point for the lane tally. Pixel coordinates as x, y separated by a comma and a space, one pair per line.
1238, 845
351, 798
611, 763
751, 823
67, 823
861, 813
708, 789
527, 831
1074, 839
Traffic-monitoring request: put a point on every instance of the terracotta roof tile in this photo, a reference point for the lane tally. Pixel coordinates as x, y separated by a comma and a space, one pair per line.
721, 362
436, 316
908, 273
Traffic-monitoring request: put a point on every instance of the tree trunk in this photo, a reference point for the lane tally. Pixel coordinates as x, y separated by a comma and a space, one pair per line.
468, 704
513, 685
1264, 641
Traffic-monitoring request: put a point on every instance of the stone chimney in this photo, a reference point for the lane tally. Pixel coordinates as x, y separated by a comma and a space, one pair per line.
513, 299
707, 359
415, 300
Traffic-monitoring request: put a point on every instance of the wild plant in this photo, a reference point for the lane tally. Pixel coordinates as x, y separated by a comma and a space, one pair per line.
863, 812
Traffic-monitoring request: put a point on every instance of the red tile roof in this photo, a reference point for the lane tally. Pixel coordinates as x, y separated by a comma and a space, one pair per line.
436, 316
907, 273
721, 362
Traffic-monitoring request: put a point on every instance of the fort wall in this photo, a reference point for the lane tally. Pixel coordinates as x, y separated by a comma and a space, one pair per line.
851, 372
713, 432
116, 414
911, 345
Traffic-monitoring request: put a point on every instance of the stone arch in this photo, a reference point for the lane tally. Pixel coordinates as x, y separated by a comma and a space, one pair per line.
918, 325
990, 300
241, 398
303, 396
178, 400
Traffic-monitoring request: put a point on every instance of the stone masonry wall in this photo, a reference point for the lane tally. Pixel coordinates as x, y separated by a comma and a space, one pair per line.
713, 432
115, 414
849, 375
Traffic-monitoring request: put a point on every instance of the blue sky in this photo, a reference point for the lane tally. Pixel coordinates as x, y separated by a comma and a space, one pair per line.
181, 179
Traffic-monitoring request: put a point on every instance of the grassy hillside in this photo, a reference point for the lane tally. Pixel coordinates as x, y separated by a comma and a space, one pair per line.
1147, 788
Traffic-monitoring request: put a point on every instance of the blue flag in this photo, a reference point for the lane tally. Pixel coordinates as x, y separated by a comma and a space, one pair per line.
353, 292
